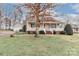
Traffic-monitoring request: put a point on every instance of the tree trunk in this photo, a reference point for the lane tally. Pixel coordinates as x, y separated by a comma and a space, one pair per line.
9, 24
37, 32
37, 19
0, 25
37, 25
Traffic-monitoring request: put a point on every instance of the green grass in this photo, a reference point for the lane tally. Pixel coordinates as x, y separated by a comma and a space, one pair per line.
55, 45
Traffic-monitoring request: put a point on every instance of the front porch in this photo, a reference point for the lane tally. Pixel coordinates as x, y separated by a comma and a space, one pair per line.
46, 31
47, 27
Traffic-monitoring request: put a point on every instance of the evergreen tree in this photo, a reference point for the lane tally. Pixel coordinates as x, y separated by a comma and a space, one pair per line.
68, 29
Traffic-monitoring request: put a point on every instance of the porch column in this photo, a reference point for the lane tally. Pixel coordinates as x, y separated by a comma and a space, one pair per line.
56, 25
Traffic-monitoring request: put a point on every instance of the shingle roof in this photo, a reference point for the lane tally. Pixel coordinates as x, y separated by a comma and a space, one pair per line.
46, 19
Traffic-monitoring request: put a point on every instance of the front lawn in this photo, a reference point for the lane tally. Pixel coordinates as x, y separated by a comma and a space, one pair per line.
44, 45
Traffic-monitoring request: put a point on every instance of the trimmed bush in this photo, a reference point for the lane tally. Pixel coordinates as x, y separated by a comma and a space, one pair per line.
24, 28
11, 29
49, 32
62, 32
41, 32
31, 32
21, 30
68, 29
54, 32
11, 35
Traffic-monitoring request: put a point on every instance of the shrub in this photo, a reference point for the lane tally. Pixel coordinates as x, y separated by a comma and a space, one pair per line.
24, 28
31, 32
68, 29
41, 32
21, 30
54, 32
11, 29
48, 32
11, 35
62, 32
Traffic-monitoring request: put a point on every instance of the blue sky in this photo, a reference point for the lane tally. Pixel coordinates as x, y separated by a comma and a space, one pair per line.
7, 8
64, 9
67, 9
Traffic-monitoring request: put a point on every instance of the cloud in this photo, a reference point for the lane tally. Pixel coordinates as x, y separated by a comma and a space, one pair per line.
75, 7
72, 17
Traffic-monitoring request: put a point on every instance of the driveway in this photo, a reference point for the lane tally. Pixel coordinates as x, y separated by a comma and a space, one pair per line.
6, 33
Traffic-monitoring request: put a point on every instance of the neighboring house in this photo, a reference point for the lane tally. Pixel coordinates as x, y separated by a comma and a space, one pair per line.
74, 25
4, 23
17, 27
75, 28
7, 23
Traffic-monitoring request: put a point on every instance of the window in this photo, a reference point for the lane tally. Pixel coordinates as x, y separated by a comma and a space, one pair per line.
32, 25
53, 26
47, 25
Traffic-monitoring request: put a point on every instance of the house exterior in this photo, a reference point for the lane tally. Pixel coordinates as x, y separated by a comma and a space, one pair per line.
47, 24
75, 28
17, 27
5, 23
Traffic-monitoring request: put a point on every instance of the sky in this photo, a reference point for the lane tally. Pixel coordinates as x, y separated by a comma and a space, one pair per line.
7, 8
67, 8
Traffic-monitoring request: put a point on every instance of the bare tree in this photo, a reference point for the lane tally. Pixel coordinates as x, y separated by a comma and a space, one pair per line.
17, 13
9, 24
6, 22
36, 9
0, 18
